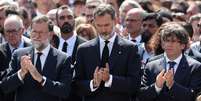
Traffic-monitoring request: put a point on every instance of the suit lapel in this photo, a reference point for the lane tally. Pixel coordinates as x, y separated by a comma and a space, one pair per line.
96, 48
182, 69
116, 51
75, 49
50, 61
8, 51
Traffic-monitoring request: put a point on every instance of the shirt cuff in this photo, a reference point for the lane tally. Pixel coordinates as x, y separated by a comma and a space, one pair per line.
109, 82
158, 90
44, 78
92, 87
18, 74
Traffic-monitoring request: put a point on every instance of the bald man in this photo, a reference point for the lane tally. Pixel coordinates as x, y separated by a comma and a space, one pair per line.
13, 29
133, 23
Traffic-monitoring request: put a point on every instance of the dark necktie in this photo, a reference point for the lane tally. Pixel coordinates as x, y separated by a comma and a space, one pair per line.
64, 49
105, 54
38, 63
134, 40
172, 64
14, 50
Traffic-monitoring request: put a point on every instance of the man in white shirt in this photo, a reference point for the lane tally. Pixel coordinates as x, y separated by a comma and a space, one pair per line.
107, 67
173, 76
41, 72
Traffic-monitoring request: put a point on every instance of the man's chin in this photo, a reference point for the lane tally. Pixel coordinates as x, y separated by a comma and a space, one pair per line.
105, 37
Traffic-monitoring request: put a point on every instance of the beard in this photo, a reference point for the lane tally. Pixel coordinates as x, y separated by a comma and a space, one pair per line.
67, 28
105, 35
40, 45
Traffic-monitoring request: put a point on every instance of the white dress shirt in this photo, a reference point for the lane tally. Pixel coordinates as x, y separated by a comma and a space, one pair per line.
21, 45
177, 60
138, 39
71, 43
110, 45
43, 58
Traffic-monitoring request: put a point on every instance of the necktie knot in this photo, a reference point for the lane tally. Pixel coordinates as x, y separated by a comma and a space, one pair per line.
172, 64
14, 50
39, 54
134, 40
106, 42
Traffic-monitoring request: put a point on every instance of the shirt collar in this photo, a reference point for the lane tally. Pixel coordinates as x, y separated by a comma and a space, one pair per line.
112, 39
21, 45
138, 38
70, 40
177, 60
44, 51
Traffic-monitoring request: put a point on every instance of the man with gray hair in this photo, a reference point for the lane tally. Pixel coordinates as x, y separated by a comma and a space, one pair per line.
133, 24
40, 72
13, 31
125, 7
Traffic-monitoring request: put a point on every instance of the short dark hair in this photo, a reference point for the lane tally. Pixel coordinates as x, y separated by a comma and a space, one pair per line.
62, 8
43, 18
103, 9
155, 17
174, 29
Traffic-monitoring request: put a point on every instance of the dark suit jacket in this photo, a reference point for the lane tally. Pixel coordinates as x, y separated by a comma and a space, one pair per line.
5, 57
73, 96
124, 63
79, 40
56, 70
187, 81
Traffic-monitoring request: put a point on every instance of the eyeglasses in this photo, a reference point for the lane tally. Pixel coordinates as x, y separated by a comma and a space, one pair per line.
37, 32
12, 31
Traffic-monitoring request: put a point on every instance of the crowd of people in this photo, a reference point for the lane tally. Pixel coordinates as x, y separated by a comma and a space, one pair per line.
100, 50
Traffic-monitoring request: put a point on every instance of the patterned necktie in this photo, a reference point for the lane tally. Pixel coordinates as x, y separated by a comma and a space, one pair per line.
105, 54
172, 64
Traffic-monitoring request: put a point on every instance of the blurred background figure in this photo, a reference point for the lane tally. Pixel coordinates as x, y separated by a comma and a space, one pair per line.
79, 7
86, 31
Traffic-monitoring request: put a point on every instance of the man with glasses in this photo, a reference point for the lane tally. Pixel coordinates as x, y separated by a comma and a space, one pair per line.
40, 72
174, 76
13, 31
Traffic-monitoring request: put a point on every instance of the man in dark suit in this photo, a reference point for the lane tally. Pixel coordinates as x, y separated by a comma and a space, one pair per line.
69, 41
107, 67
41, 72
172, 76
13, 31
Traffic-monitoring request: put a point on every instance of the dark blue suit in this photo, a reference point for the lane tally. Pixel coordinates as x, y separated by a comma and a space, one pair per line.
124, 64
56, 69
187, 81
5, 57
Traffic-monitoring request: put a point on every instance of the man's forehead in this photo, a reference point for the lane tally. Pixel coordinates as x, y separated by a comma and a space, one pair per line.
65, 12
